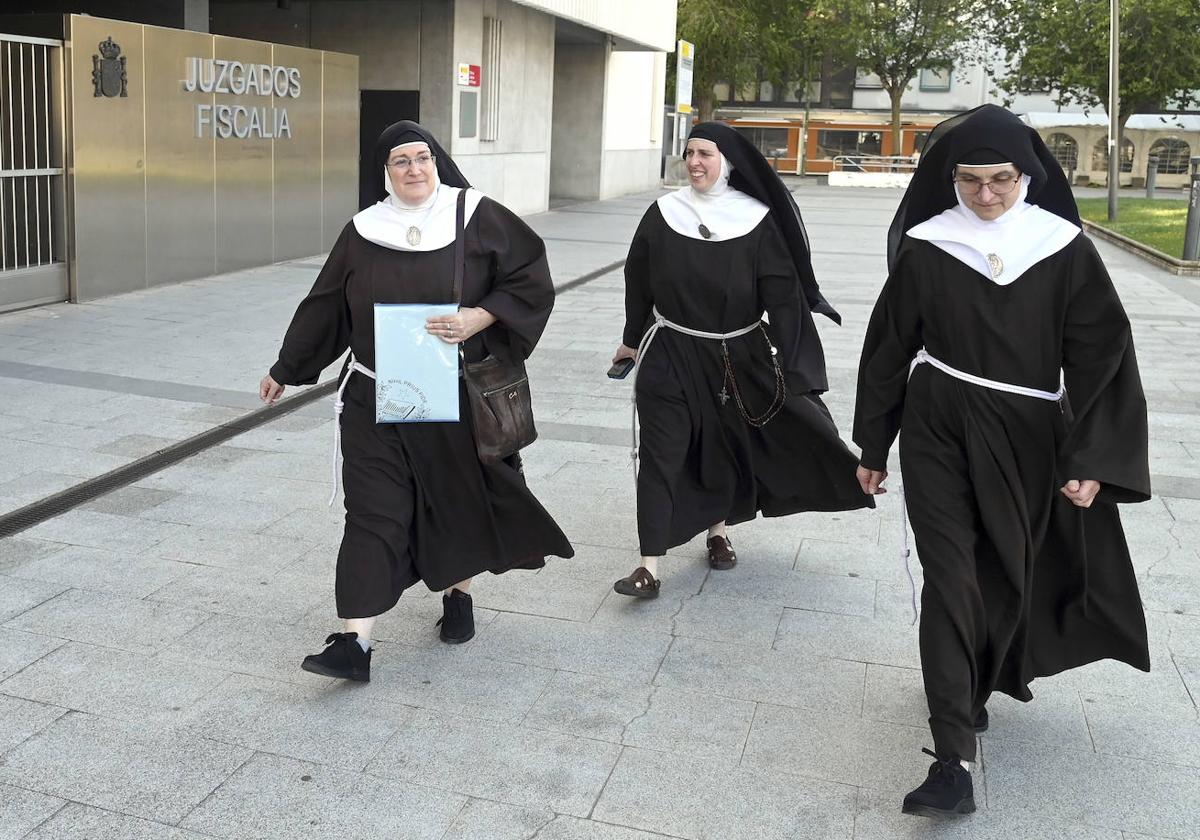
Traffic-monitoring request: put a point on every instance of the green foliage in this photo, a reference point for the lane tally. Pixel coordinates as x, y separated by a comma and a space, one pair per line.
1158, 223
1063, 45
737, 41
723, 32
899, 38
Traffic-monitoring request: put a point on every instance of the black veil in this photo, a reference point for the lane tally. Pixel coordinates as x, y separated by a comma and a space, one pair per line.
988, 126
753, 175
407, 131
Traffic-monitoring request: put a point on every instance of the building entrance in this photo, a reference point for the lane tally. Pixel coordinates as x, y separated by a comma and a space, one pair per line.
377, 110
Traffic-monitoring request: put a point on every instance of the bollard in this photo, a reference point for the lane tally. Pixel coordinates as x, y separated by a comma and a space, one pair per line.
1191, 237
1151, 175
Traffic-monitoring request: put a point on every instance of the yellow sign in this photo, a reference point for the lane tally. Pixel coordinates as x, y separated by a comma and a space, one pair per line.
685, 56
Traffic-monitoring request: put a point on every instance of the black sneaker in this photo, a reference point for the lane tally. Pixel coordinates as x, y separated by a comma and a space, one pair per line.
458, 620
342, 658
981, 721
946, 792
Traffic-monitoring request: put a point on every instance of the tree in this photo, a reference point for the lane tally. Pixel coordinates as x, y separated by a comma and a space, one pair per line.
724, 34
739, 41
1062, 45
899, 38
798, 37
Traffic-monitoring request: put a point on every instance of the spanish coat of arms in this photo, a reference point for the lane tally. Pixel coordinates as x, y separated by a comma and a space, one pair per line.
108, 73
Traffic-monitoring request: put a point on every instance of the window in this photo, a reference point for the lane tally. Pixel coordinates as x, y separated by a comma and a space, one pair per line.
833, 142
936, 80
1100, 155
867, 81
1172, 156
768, 140
490, 119
1065, 150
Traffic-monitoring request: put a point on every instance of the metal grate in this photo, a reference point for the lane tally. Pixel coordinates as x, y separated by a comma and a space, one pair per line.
30, 160
587, 278
490, 120
51, 506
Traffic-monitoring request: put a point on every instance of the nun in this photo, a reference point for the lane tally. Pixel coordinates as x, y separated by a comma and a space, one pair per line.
1000, 353
731, 421
420, 504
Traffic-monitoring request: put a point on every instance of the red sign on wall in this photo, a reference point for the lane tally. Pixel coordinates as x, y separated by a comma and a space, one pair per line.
469, 75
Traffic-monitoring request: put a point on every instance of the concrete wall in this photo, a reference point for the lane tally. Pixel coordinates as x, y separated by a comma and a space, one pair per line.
386, 35
436, 73
630, 170
261, 20
576, 165
573, 122
633, 123
515, 167
195, 15
646, 24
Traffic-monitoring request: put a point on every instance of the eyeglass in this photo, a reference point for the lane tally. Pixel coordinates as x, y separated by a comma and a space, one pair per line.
420, 161
1002, 184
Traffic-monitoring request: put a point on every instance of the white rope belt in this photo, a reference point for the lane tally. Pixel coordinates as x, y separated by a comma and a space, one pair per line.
660, 323
338, 405
923, 358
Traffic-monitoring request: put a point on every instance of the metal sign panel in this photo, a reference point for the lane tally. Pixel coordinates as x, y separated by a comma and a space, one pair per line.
180, 224
191, 154
685, 56
469, 75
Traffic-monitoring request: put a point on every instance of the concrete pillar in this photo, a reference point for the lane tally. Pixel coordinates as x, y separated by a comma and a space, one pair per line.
577, 130
436, 77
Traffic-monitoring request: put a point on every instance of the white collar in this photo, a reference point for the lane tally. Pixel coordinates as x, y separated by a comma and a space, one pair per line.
725, 212
387, 222
1001, 249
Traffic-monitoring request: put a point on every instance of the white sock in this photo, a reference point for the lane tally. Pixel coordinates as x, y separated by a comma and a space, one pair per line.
365, 644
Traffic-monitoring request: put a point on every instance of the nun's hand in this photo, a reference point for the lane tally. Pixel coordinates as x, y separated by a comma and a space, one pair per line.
457, 328
871, 481
269, 390
624, 352
1081, 493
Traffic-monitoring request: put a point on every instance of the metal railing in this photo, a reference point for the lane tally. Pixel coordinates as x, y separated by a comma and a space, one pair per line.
874, 163
31, 173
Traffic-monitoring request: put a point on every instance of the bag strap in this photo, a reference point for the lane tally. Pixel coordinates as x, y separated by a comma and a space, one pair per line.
460, 215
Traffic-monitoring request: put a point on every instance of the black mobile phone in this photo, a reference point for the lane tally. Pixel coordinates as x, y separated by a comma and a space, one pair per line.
621, 369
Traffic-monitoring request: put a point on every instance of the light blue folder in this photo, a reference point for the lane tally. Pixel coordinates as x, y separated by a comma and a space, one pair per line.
416, 374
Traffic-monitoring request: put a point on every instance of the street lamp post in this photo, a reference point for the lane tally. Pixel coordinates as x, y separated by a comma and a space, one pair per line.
1114, 109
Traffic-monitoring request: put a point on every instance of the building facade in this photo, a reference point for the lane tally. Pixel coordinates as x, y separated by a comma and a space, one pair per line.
233, 133
536, 99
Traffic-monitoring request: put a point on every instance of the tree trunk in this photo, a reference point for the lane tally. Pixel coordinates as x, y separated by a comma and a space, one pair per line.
705, 106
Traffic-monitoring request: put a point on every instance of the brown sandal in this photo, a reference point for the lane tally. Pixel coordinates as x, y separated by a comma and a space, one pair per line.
720, 553
640, 584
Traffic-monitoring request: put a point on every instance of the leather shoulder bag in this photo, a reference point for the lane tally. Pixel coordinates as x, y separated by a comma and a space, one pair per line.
498, 391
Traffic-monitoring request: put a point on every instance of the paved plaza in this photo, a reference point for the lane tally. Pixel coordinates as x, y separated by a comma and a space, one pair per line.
150, 639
